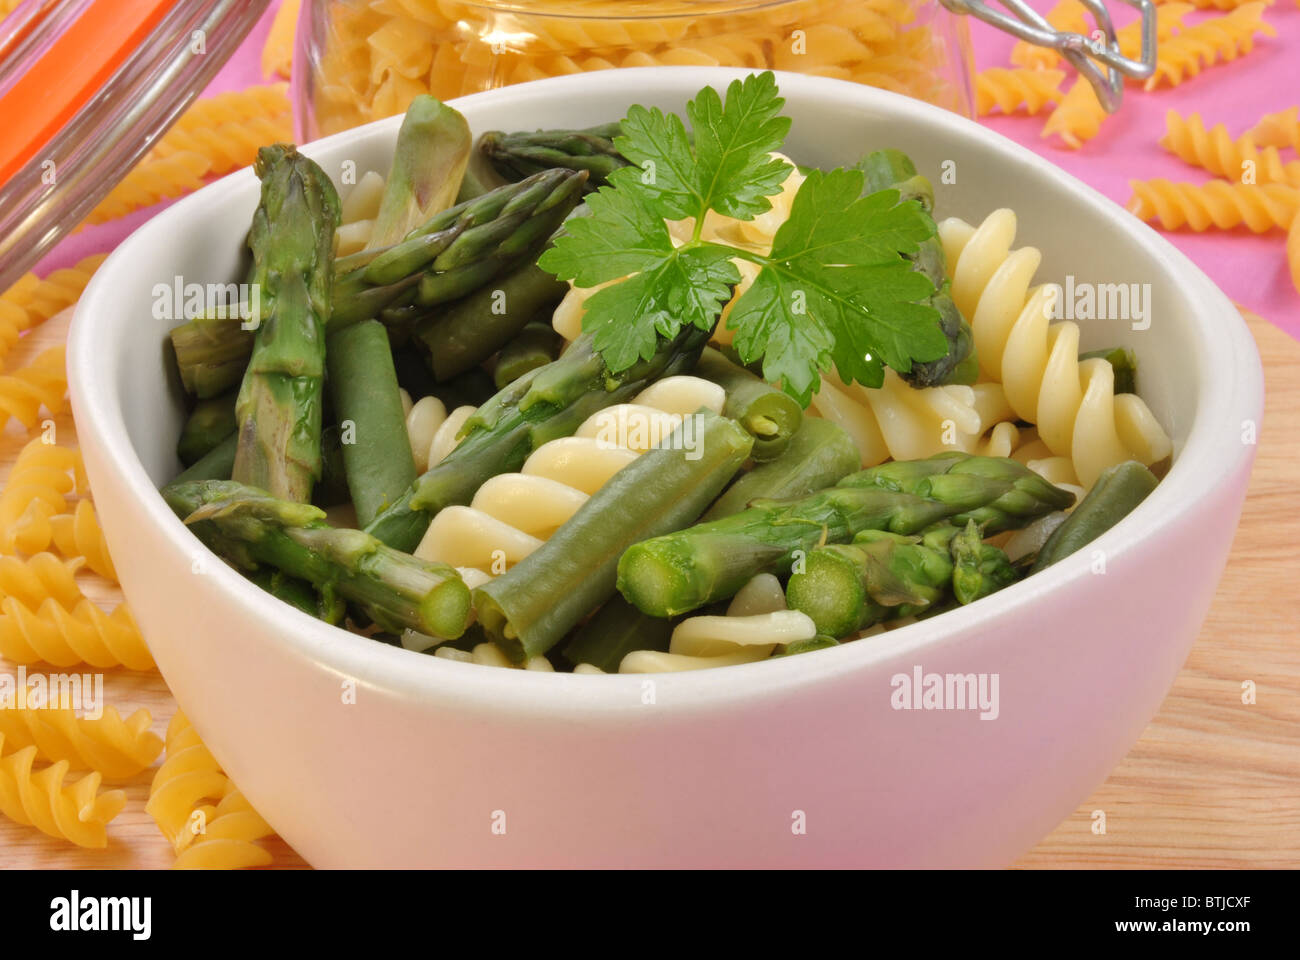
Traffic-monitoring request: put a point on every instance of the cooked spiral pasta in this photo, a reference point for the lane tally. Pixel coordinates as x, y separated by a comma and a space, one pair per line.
1078, 117
1201, 206
1216, 151
1209, 42
1281, 129
1072, 403
42, 478
229, 128
756, 622
490, 655
64, 636
219, 834
32, 300
512, 514
115, 748
42, 383
75, 811
277, 52
1068, 15
77, 535
152, 181
1016, 90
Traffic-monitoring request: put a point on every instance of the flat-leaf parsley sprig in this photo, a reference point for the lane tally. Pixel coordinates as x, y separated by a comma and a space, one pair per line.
834, 289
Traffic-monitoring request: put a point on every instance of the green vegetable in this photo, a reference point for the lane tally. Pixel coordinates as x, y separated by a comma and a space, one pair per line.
893, 169
279, 403
457, 251
835, 287
1117, 491
480, 178
465, 333
251, 529
820, 454
332, 488
216, 464
536, 345
210, 422
528, 609
325, 605
212, 353
819, 642
979, 568
1124, 364
682, 571
433, 148
517, 155
614, 631
363, 386
771, 415
549, 402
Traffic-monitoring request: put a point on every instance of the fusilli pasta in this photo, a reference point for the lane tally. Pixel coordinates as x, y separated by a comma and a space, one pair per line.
1078, 117
1293, 251
1281, 129
75, 811
229, 128
152, 181
42, 383
117, 749
77, 535
277, 53
1200, 206
1216, 151
1072, 403
63, 637
39, 483
40, 578
1011, 90
32, 300
208, 822
1068, 15
1209, 42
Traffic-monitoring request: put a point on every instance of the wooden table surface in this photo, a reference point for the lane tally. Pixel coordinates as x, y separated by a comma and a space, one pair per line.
1213, 782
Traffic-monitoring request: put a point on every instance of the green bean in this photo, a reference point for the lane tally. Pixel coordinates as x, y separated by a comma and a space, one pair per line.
332, 488
529, 608
216, 464
210, 422
770, 414
614, 631
368, 407
1117, 492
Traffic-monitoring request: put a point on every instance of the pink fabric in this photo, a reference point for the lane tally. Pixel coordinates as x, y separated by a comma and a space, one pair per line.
1249, 268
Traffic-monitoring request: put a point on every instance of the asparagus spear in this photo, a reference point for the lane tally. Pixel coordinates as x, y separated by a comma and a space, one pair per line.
457, 251
979, 568
324, 604
682, 571
210, 422
251, 529
536, 345
433, 148
279, 403
820, 454
894, 170
466, 332
516, 155
528, 609
545, 403
1124, 364
770, 414
212, 353
363, 384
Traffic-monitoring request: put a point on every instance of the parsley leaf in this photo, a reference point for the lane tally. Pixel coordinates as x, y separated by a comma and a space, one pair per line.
835, 288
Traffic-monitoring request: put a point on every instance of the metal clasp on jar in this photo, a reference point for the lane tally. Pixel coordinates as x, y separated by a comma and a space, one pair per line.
1096, 57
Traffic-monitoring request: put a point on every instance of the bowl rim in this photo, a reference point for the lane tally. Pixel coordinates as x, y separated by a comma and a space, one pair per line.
1229, 390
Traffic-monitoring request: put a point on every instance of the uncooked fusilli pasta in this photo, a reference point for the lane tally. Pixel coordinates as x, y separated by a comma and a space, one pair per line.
63, 637
77, 534
1216, 151
1293, 251
1070, 16
42, 383
152, 181
115, 748
75, 811
1201, 206
40, 578
1281, 129
1072, 403
277, 53
208, 822
38, 485
1207, 43
32, 300
1078, 117
229, 128
1016, 90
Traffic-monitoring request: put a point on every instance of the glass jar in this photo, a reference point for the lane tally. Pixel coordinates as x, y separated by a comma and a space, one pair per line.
360, 60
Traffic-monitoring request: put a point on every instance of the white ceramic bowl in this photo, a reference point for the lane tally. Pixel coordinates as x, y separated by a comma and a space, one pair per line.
717, 767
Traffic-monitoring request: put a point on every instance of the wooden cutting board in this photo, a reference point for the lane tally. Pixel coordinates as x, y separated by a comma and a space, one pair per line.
1212, 783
